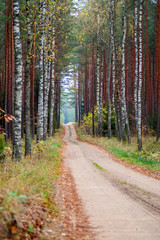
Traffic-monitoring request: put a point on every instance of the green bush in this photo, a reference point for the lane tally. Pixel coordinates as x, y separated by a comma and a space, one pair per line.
153, 122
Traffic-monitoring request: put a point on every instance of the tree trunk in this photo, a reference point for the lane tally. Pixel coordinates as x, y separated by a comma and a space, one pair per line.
139, 119
27, 84
52, 86
93, 88
18, 83
47, 69
32, 77
147, 74
75, 96
124, 115
42, 10
113, 66
108, 90
158, 65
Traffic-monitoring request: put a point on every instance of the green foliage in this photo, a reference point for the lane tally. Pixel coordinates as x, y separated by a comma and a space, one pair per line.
29, 186
105, 122
86, 123
153, 122
148, 158
143, 158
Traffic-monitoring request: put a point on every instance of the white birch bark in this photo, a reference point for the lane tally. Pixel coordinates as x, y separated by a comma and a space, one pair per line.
136, 62
139, 117
100, 98
18, 83
40, 114
47, 66
27, 84
51, 116
98, 77
124, 115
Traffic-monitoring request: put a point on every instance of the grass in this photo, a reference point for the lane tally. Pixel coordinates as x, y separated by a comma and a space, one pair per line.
29, 186
99, 167
148, 158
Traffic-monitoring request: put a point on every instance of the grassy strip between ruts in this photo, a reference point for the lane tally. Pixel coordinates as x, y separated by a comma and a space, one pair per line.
148, 158
27, 190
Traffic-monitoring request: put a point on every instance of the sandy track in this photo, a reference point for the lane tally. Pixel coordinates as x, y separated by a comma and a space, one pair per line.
120, 203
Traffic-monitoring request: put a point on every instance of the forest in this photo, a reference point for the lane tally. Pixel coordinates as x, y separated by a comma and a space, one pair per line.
112, 49
95, 63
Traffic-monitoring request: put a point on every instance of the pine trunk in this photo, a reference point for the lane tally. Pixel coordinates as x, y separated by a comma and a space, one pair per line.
108, 90
113, 66
158, 65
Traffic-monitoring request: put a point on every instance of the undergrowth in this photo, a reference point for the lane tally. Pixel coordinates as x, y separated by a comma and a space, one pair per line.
27, 190
148, 158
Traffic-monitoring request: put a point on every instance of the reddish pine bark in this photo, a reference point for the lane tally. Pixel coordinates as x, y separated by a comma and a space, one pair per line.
93, 88
104, 88
147, 72
158, 66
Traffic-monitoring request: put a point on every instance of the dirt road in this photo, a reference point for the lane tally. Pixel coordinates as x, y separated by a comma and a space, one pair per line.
120, 203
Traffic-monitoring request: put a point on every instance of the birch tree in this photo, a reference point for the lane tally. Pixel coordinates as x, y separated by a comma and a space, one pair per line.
124, 115
27, 84
136, 62
40, 113
18, 83
47, 67
139, 117
98, 75
52, 86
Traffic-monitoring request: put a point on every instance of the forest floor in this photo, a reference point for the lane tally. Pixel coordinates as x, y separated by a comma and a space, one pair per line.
38, 198
120, 203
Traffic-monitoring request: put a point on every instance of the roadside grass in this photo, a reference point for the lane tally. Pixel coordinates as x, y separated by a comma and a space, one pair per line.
148, 158
27, 190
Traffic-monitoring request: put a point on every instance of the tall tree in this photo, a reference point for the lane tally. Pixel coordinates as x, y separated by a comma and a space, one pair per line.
27, 84
40, 114
75, 96
108, 89
124, 114
52, 86
158, 65
18, 83
139, 117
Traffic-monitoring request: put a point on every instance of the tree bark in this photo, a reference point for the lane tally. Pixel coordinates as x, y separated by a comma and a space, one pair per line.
124, 115
27, 84
52, 87
158, 66
18, 83
108, 89
113, 66
75, 96
40, 114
